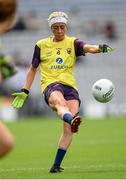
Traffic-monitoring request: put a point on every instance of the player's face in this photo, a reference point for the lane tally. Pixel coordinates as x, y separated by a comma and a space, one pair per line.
59, 30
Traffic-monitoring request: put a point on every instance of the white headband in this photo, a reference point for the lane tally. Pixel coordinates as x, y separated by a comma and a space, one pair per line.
57, 20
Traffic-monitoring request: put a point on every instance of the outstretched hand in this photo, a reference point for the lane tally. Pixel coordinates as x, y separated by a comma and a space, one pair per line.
19, 99
105, 48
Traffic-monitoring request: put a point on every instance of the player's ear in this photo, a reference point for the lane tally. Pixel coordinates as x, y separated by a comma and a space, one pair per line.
51, 28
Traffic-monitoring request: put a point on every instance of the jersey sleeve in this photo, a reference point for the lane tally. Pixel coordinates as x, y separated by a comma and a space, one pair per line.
78, 45
36, 57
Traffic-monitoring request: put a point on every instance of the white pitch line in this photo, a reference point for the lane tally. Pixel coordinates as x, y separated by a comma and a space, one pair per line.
65, 167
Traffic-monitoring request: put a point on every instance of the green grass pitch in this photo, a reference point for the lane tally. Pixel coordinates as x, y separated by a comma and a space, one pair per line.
98, 151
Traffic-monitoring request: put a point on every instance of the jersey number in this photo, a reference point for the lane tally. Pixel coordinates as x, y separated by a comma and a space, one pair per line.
58, 51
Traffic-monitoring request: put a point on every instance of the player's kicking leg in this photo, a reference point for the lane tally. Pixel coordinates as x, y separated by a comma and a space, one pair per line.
67, 110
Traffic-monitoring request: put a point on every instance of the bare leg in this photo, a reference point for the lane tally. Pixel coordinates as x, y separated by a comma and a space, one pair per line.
67, 135
58, 103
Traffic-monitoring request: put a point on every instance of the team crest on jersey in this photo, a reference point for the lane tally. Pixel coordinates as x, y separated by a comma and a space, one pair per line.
69, 50
59, 60
58, 51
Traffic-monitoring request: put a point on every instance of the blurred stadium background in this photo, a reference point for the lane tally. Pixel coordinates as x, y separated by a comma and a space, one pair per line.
99, 149
93, 21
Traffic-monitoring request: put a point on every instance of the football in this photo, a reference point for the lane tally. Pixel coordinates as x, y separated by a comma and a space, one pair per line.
103, 90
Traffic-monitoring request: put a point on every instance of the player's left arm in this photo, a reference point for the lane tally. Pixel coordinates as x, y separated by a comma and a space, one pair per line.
97, 48
21, 96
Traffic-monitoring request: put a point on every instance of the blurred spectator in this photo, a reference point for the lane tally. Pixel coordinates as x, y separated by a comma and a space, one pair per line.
92, 28
20, 24
32, 21
110, 30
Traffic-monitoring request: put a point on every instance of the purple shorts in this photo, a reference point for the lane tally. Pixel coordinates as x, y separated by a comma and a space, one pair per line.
68, 92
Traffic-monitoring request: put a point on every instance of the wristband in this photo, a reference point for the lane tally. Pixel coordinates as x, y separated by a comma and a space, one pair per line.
25, 90
101, 47
104, 48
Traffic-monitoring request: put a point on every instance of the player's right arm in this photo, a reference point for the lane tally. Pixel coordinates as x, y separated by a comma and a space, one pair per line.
21, 96
29, 78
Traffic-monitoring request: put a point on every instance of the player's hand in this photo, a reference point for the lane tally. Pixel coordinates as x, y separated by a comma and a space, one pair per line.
19, 99
105, 48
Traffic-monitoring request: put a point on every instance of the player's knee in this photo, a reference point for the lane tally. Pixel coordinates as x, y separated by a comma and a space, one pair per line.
60, 103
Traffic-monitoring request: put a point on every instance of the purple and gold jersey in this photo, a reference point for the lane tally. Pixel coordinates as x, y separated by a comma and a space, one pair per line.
56, 60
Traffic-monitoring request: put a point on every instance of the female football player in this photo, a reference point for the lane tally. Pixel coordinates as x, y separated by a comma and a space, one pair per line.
56, 58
